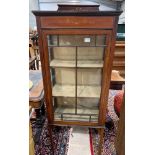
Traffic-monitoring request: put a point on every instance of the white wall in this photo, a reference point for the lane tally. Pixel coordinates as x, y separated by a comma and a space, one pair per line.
33, 5
52, 5
122, 16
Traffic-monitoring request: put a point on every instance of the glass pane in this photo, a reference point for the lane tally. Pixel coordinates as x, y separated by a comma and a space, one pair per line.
87, 105
52, 40
62, 69
63, 90
90, 53
90, 61
77, 40
90, 57
62, 56
89, 77
63, 106
75, 118
88, 90
76, 67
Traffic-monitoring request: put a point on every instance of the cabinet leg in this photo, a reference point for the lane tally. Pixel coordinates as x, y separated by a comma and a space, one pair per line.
101, 141
37, 64
51, 140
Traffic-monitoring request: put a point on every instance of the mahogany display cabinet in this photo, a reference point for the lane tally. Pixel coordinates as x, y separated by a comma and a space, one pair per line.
77, 46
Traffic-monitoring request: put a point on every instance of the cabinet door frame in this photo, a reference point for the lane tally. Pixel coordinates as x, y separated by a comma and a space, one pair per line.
106, 74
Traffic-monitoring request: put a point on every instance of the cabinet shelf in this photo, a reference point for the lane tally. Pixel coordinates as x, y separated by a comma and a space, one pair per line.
82, 91
80, 63
80, 111
76, 45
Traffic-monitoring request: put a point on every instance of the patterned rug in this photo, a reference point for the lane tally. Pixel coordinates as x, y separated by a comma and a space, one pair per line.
61, 135
110, 134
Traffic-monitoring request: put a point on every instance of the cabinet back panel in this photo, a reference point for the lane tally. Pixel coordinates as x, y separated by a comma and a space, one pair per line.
66, 76
69, 102
64, 53
83, 53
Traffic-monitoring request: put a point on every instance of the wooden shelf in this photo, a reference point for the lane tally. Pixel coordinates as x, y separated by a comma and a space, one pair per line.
86, 111
82, 91
118, 63
80, 63
119, 54
119, 57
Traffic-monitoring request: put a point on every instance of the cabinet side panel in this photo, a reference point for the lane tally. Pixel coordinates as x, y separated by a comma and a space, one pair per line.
108, 63
48, 100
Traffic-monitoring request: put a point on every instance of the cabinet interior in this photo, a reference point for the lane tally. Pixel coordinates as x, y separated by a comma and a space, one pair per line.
76, 66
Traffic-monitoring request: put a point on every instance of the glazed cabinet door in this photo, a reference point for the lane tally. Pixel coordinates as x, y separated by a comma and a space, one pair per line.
76, 61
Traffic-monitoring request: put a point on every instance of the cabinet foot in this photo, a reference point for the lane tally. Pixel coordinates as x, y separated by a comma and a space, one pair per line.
101, 140
50, 128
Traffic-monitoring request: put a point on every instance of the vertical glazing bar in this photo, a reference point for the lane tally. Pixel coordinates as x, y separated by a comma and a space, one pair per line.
76, 81
53, 76
104, 47
102, 70
50, 39
90, 118
58, 40
49, 52
62, 117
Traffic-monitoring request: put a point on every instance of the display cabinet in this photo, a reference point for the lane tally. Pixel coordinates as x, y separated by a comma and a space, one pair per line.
76, 47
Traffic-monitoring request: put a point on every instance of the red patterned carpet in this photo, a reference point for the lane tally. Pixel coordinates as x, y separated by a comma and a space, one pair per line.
61, 136
110, 134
